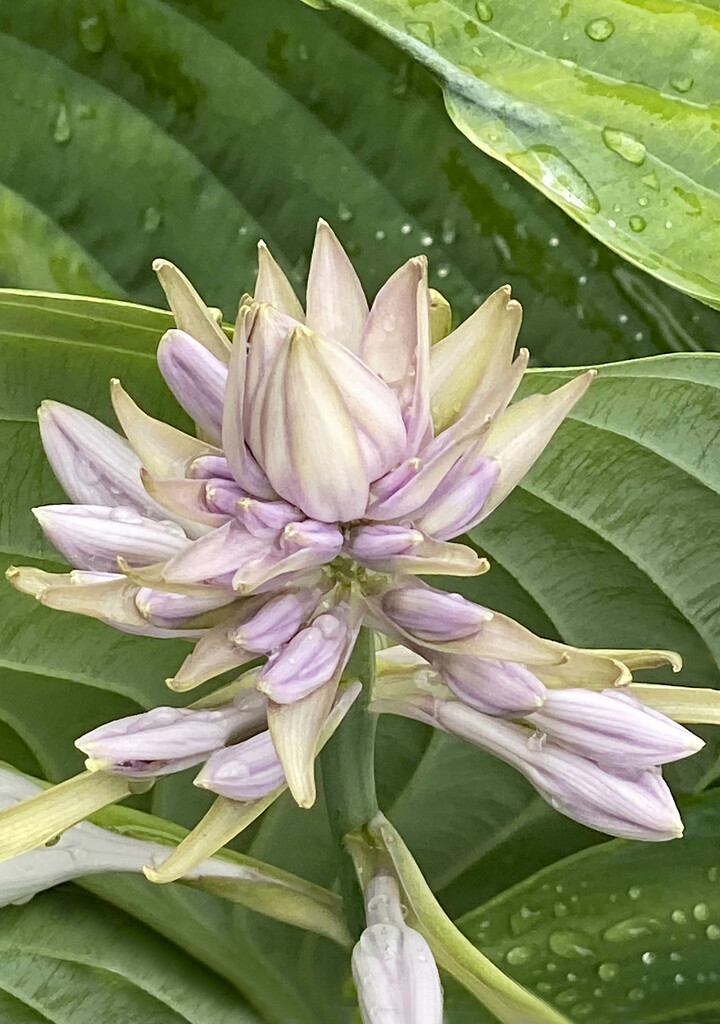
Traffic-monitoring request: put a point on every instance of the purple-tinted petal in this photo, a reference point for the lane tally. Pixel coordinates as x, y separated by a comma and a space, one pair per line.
495, 687
241, 461
93, 536
633, 805
457, 503
93, 464
221, 551
245, 771
612, 728
336, 304
196, 378
396, 346
431, 614
399, 549
275, 622
300, 546
310, 659
266, 518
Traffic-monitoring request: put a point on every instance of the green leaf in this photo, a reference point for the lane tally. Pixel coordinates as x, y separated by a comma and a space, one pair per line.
68, 958
609, 112
608, 542
190, 128
625, 931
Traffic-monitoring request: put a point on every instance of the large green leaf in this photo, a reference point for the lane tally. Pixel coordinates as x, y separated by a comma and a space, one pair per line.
70, 959
191, 127
626, 931
610, 541
610, 111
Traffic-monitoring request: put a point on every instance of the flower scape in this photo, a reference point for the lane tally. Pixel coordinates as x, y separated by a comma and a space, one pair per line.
340, 449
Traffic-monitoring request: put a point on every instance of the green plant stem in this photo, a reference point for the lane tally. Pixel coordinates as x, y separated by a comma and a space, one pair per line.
348, 771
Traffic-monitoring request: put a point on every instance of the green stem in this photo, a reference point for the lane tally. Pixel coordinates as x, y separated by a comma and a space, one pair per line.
348, 770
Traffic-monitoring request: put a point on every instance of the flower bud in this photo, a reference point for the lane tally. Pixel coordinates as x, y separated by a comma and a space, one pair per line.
613, 728
196, 377
395, 974
433, 615
167, 739
494, 687
244, 771
633, 804
311, 658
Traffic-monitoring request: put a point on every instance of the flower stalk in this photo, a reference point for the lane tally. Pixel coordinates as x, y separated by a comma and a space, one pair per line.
348, 772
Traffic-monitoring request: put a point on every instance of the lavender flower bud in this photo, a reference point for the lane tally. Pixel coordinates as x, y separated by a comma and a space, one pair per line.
613, 728
93, 536
395, 974
310, 659
276, 622
160, 740
196, 377
494, 687
634, 804
245, 771
433, 615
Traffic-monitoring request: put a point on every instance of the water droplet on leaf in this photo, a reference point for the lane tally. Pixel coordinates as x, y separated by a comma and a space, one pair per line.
599, 29
637, 224
681, 82
548, 165
519, 955
484, 11
631, 928
625, 145
608, 971
571, 945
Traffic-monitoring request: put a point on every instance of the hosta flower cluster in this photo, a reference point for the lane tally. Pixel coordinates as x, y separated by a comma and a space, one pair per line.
339, 450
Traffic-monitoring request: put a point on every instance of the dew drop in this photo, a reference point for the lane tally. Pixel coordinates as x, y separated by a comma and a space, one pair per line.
406, 229
648, 958
691, 200
152, 219
599, 29
681, 82
701, 912
92, 33
637, 224
679, 917
625, 145
636, 994
344, 212
523, 920
652, 181
568, 997
679, 979
544, 987
631, 928
484, 11
554, 241
62, 129
608, 971
582, 1010
560, 910
643, 201
422, 30
548, 165
519, 955
634, 892
443, 271
713, 932
427, 240
675, 957
714, 874
380, 234
571, 945
536, 741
